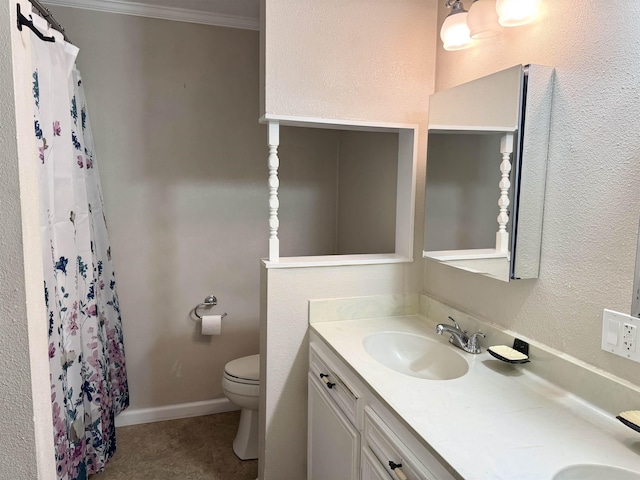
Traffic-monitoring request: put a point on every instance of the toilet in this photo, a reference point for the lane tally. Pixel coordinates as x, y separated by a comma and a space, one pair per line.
241, 385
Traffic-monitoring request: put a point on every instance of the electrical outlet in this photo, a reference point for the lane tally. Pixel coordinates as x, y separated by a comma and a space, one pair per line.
620, 334
629, 337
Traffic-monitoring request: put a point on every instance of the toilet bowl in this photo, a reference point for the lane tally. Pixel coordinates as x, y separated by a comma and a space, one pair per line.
241, 385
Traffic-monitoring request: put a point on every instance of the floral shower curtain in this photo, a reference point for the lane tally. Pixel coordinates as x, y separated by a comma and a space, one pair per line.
86, 353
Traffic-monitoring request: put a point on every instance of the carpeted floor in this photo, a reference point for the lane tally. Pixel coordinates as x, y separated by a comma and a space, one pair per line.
196, 448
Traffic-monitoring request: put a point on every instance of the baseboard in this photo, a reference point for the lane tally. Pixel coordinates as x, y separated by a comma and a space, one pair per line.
135, 416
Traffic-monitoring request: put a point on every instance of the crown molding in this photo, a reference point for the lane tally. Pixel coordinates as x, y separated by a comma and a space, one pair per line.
161, 12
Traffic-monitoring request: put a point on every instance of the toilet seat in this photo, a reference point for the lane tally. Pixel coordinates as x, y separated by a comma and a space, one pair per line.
245, 370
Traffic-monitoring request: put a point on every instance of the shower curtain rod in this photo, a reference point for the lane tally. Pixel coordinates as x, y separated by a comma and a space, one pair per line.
48, 16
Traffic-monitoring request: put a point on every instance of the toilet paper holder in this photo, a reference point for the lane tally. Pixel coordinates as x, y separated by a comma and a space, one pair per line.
210, 301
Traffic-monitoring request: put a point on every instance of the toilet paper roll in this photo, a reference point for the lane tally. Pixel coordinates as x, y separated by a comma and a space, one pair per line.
211, 324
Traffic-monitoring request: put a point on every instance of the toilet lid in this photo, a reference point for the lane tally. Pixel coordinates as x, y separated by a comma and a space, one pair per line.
245, 368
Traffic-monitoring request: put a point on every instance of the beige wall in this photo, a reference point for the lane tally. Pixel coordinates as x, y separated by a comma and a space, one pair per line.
367, 184
308, 191
174, 112
461, 204
592, 199
26, 439
337, 191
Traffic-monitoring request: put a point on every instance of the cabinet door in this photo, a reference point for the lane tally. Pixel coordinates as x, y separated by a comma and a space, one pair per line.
371, 469
333, 443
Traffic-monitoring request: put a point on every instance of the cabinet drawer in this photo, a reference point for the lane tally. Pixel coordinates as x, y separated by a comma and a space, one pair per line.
371, 468
325, 373
390, 450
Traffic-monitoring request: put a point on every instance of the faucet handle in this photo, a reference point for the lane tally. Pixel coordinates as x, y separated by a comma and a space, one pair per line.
455, 324
472, 343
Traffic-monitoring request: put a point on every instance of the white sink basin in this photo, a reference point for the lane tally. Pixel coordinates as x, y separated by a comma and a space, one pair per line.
415, 355
595, 472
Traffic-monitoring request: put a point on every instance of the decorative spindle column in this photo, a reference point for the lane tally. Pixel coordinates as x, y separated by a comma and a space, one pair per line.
274, 183
502, 236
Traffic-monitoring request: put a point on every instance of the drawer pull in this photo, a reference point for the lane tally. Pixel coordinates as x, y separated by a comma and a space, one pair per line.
396, 469
325, 378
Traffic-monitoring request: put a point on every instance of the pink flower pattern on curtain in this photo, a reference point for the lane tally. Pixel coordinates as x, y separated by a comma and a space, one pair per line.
86, 351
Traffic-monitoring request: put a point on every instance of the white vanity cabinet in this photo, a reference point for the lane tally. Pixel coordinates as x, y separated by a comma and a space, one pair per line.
333, 442
352, 435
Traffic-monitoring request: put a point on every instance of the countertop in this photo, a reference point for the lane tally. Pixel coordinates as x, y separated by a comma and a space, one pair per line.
499, 421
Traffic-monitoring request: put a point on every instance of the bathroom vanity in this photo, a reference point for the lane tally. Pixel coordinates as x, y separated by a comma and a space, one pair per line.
352, 434
381, 417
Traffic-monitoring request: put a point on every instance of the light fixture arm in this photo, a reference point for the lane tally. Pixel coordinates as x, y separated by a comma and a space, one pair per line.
456, 6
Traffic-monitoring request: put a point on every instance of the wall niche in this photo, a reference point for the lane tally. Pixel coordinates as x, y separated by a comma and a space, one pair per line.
340, 193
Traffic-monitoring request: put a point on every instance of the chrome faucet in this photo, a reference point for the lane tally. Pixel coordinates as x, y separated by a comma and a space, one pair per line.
459, 337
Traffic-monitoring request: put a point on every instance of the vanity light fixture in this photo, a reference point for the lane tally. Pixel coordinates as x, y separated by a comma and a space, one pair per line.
455, 32
482, 19
513, 13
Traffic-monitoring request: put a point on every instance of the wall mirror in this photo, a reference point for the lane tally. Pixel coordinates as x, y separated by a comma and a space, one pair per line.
486, 173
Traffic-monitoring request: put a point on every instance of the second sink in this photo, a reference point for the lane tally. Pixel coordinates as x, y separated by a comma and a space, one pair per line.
595, 472
415, 355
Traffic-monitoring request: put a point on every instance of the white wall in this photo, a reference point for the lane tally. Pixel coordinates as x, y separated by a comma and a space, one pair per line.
285, 351
354, 59
26, 438
319, 62
592, 199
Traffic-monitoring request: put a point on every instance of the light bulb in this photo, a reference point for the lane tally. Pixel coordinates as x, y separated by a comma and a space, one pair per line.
513, 13
482, 20
454, 32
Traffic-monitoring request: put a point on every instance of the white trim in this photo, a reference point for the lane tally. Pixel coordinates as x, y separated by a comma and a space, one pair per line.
273, 134
137, 416
164, 13
475, 254
336, 260
469, 129
336, 124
